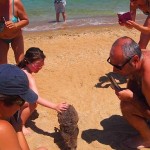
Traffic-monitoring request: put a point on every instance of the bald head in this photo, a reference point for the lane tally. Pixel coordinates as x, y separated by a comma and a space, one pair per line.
126, 47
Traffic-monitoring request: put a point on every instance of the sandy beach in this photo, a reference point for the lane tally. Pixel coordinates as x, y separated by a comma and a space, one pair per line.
74, 72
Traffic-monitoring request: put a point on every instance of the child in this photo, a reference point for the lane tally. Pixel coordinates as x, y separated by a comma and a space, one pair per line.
33, 62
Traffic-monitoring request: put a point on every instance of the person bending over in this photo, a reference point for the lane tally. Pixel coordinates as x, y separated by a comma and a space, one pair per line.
14, 92
128, 60
33, 62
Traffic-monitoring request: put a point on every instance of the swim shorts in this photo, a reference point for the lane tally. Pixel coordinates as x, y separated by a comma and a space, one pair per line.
59, 8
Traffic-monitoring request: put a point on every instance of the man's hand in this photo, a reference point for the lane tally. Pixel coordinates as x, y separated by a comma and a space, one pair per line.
125, 95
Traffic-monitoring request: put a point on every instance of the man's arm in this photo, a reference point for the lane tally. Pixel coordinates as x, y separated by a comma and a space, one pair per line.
146, 86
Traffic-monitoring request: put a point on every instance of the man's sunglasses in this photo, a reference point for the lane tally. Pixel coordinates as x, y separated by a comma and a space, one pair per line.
117, 66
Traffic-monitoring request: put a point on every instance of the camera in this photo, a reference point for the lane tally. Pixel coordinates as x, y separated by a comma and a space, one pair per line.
124, 16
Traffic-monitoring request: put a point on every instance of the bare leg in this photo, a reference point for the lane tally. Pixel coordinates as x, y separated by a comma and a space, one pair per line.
18, 47
64, 16
136, 114
26, 110
57, 17
144, 39
4, 47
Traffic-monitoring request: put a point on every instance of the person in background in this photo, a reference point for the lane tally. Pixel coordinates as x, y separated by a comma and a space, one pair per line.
144, 6
33, 62
128, 60
14, 92
60, 8
12, 19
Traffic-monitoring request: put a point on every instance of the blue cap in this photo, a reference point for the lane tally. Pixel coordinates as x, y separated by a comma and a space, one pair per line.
13, 81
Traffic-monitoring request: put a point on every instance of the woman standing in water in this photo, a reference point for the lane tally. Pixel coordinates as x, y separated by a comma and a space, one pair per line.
12, 19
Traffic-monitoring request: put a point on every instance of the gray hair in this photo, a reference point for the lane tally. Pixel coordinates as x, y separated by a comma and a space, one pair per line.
129, 47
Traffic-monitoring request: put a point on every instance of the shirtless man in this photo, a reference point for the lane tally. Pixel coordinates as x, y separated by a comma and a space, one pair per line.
128, 60
12, 19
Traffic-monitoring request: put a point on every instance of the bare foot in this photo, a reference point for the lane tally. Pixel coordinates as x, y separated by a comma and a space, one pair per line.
26, 131
137, 142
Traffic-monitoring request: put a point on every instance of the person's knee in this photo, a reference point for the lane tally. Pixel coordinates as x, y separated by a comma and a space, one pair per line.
126, 107
33, 106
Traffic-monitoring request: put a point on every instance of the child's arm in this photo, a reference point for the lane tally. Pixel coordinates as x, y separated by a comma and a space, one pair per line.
58, 107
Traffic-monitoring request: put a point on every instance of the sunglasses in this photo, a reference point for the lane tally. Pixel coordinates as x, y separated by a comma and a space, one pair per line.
120, 67
38, 64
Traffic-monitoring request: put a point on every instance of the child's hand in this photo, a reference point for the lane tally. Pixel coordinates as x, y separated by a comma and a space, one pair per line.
125, 95
61, 107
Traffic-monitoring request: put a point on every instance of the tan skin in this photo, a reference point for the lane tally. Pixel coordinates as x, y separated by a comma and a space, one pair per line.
7, 131
12, 30
27, 109
145, 28
134, 110
58, 16
12, 131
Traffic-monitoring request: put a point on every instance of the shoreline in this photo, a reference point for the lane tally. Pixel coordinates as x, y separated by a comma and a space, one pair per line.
100, 21
73, 30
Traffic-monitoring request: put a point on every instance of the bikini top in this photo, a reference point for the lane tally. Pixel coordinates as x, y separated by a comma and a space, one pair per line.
14, 18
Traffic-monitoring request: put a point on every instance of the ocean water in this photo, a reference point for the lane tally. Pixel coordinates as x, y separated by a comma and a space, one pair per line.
41, 13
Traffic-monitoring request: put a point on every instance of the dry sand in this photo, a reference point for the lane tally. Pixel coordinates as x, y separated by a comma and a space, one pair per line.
74, 72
